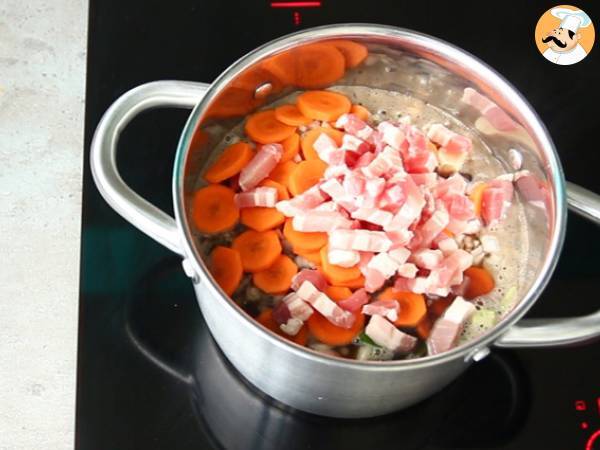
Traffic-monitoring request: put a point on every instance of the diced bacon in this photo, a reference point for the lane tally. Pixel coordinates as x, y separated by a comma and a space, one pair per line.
422, 161
260, 166
416, 140
364, 160
448, 139
365, 258
373, 215
325, 221
399, 255
325, 147
327, 307
362, 240
354, 183
292, 326
407, 270
433, 227
400, 238
336, 171
424, 179
383, 333
427, 258
374, 186
343, 258
410, 210
384, 264
447, 246
446, 330
506, 186
327, 206
497, 117
308, 200
374, 279
391, 135
455, 184
281, 312
298, 308
355, 145
495, 200
350, 123
334, 189
314, 276
395, 195
459, 206
401, 284
450, 161
260, 196
355, 301
383, 308
449, 271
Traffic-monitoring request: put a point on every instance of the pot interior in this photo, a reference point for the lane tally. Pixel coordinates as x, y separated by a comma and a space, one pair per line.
430, 78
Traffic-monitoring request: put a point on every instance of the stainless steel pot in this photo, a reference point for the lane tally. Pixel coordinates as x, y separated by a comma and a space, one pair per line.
399, 60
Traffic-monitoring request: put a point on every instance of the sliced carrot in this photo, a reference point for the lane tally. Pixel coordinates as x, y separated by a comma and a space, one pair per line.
304, 242
282, 171
226, 268
282, 66
278, 277
438, 307
213, 209
318, 65
291, 115
255, 77
311, 256
476, 197
264, 128
480, 282
282, 192
330, 334
412, 306
258, 249
309, 138
265, 318
424, 328
361, 112
356, 283
230, 162
306, 175
337, 273
232, 102
338, 293
291, 146
354, 53
323, 105
261, 218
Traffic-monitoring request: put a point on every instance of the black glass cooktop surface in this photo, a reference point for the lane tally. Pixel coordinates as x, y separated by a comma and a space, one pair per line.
149, 374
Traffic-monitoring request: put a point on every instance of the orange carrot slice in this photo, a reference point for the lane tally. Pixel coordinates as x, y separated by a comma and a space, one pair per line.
412, 306
277, 279
356, 283
226, 268
291, 115
354, 53
424, 328
306, 175
232, 102
309, 138
481, 282
213, 209
323, 105
230, 162
338, 293
264, 128
265, 318
337, 273
361, 112
262, 218
304, 242
330, 334
291, 146
318, 65
313, 256
282, 66
476, 197
258, 249
282, 172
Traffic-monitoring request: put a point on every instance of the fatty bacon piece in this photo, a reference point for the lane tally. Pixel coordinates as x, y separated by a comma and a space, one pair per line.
383, 333
495, 200
355, 301
384, 308
488, 109
260, 196
324, 221
411, 208
314, 276
260, 166
354, 126
361, 240
327, 307
445, 331
306, 201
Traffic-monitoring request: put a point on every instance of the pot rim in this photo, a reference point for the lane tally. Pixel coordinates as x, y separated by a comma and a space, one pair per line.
448, 51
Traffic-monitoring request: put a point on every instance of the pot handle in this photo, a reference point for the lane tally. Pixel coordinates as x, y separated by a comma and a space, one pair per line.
557, 332
142, 214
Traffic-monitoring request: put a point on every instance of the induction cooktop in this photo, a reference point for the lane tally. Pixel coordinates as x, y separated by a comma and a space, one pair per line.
149, 374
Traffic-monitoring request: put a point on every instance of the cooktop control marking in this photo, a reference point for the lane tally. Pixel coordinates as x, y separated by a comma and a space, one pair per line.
296, 16
580, 405
593, 438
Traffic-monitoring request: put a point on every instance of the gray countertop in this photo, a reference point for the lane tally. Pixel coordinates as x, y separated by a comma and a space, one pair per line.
42, 83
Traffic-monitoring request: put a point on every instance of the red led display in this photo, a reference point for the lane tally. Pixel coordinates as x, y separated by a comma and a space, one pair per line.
580, 405
295, 4
593, 438
584, 425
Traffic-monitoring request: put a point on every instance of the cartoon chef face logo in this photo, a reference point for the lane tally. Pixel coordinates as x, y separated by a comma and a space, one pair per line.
564, 35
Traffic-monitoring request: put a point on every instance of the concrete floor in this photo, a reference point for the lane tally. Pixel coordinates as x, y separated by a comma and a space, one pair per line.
42, 82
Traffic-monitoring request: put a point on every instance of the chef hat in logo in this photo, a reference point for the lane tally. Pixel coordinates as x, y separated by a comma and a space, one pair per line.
571, 19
